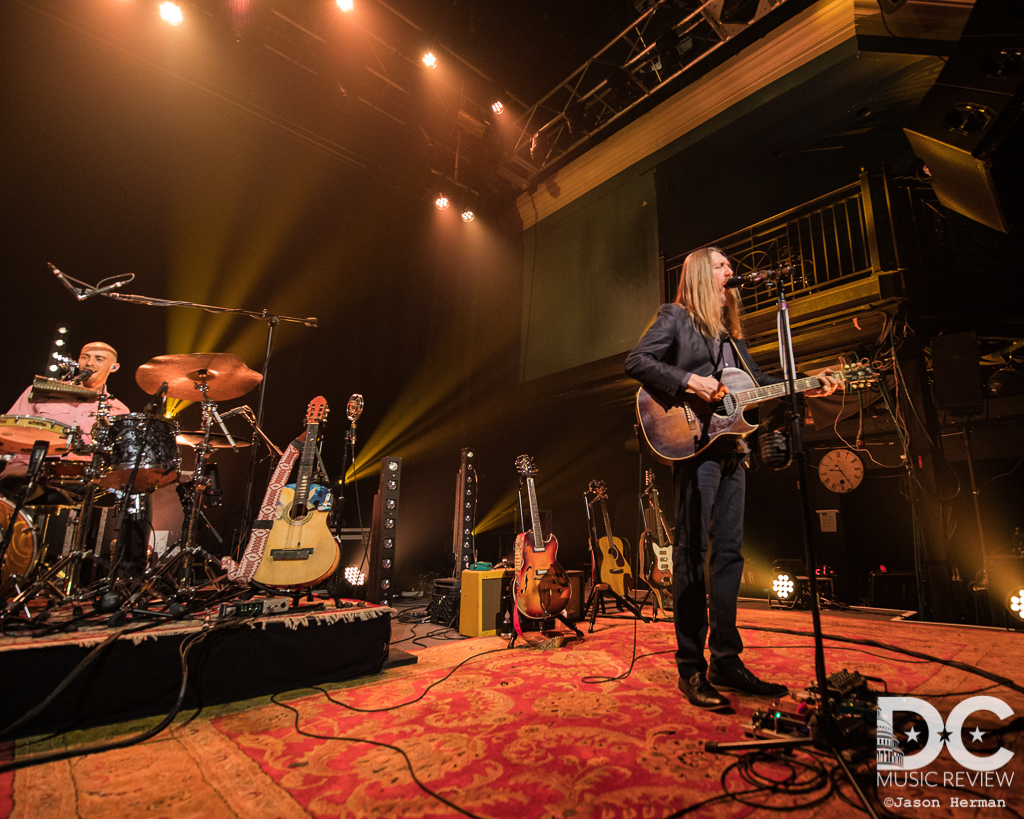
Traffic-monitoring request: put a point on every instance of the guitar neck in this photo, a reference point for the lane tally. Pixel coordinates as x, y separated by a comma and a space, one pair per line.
538, 536
607, 520
659, 522
306, 465
759, 394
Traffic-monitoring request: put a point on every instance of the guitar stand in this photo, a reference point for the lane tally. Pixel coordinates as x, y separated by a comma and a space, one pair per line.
597, 598
569, 624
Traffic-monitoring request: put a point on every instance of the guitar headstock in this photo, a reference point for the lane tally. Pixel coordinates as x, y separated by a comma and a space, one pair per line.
317, 410
858, 376
648, 479
599, 489
526, 467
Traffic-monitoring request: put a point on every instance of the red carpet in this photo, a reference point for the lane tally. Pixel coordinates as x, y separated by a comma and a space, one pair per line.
516, 733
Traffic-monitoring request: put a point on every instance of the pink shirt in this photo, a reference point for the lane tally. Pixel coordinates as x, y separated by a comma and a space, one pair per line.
77, 414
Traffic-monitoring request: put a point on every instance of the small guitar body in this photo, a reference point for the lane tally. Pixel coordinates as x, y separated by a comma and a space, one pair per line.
300, 549
614, 570
541, 586
679, 427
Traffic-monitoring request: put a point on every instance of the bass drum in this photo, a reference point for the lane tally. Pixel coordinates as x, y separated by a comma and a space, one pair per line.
138, 437
23, 551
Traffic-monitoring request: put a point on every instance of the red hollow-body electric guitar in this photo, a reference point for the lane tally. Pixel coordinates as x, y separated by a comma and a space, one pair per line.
541, 586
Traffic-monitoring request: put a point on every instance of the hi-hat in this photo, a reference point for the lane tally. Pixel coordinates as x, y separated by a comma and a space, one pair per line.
225, 375
218, 440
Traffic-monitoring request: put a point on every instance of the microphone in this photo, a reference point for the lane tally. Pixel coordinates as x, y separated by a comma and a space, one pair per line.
159, 400
66, 282
757, 277
83, 375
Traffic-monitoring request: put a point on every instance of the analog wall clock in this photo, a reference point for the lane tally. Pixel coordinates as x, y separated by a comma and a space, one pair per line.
841, 470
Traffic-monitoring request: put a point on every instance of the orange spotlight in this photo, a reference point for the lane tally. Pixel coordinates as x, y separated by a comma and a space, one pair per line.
497, 106
171, 13
429, 60
468, 215
441, 203
346, 5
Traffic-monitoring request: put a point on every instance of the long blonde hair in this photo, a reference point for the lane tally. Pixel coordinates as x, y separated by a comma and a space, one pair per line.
700, 297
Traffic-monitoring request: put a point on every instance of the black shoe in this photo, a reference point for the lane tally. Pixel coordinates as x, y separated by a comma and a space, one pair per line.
701, 693
741, 679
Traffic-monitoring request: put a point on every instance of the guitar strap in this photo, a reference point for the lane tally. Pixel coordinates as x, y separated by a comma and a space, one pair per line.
244, 569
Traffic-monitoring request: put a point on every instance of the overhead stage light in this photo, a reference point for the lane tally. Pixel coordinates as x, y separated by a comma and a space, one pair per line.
171, 13
441, 203
429, 60
468, 215
346, 5
497, 106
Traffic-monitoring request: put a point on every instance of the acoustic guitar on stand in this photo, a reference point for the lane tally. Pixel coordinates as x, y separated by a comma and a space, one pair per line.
300, 549
656, 560
614, 570
541, 586
679, 427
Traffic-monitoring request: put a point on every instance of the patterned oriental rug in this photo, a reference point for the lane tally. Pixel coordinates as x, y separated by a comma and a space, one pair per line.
474, 729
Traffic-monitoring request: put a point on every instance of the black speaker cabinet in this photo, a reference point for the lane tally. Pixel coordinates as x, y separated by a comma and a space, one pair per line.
956, 374
968, 128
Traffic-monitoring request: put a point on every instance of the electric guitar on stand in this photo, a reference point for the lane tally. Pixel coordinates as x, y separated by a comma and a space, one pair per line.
541, 586
656, 551
300, 549
610, 551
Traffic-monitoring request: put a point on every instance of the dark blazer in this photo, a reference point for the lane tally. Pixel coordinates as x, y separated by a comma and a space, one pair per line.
672, 349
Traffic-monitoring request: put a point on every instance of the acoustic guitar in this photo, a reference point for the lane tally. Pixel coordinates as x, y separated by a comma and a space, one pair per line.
300, 549
614, 569
541, 586
656, 569
679, 427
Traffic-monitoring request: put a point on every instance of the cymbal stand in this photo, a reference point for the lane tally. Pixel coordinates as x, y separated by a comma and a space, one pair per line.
180, 570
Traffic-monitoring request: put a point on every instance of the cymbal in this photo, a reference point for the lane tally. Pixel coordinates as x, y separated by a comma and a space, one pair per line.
225, 374
217, 439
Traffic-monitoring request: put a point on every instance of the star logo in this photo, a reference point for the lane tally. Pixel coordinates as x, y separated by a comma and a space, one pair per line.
977, 734
912, 735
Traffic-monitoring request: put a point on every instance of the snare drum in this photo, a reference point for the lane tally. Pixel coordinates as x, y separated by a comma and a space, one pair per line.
23, 551
18, 433
142, 438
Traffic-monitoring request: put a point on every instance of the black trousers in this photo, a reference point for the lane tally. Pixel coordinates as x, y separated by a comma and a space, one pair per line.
710, 491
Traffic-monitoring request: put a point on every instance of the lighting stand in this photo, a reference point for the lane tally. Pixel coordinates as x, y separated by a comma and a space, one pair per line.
826, 733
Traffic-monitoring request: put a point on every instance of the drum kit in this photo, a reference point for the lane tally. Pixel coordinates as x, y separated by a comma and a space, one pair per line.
127, 457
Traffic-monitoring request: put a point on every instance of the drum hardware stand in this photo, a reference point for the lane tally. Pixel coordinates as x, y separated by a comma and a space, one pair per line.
35, 464
81, 291
180, 569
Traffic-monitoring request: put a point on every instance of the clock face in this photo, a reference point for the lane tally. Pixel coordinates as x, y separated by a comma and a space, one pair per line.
841, 470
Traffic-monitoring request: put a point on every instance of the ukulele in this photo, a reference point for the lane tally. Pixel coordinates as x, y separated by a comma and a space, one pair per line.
614, 570
541, 586
300, 549
657, 550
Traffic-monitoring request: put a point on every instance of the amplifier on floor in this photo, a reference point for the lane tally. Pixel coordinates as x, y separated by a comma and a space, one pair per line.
485, 601
444, 605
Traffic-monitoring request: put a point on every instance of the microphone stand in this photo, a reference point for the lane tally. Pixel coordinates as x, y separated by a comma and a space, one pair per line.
82, 291
826, 734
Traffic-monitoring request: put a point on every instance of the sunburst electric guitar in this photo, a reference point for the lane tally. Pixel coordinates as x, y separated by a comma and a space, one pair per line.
656, 563
614, 568
300, 549
541, 585
678, 427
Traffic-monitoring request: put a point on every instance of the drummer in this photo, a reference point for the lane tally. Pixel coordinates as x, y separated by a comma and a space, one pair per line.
95, 364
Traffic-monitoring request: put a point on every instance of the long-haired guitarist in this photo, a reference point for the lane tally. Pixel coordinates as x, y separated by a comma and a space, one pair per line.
690, 341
